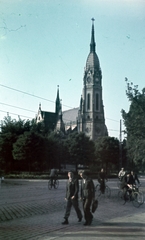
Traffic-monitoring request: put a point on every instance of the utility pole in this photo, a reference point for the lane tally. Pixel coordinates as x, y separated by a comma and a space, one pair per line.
120, 146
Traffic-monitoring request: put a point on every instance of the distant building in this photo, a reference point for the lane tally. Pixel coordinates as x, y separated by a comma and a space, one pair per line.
89, 116
52, 120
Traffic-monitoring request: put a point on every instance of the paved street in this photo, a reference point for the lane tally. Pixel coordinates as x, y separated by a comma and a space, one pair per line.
28, 210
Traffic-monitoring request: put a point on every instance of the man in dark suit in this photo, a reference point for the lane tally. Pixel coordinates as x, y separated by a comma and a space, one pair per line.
87, 196
101, 179
72, 188
53, 174
133, 178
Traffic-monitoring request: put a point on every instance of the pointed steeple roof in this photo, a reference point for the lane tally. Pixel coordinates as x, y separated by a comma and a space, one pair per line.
92, 44
57, 102
92, 60
58, 109
57, 97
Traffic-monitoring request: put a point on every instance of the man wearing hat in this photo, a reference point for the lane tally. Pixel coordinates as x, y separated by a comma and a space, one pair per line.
87, 196
72, 188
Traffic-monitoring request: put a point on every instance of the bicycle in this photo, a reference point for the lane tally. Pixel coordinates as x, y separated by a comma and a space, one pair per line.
54, 184
119, 183
132, 195
107, 191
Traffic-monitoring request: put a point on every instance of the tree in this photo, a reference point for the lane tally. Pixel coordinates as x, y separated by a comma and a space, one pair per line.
55, 149
30, 149
107, 153
10, 130
134, 122
15, 127
81, 149
13, 131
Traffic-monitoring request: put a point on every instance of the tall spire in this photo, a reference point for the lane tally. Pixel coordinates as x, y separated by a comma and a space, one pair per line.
57, 98
57, 103
93, 44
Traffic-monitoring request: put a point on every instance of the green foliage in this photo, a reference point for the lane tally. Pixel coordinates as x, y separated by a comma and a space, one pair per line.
55, 150
26, 146
15, 127
10, 130
30, 150
134, 122
107, 152
6, 146
15, 138
81, 149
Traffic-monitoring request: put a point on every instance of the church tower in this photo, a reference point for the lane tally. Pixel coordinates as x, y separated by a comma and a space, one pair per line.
91, 118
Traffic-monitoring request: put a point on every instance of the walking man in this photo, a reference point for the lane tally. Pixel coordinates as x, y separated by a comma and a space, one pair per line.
53, 174
72, 188
101, 179
87, 196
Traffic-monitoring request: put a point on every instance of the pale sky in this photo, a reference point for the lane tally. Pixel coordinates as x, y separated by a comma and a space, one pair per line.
45, 43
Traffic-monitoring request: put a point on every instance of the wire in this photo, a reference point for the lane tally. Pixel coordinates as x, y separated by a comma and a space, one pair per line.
36, 97
16, 114
18, 107
31, 94
112, 119
33, 118
113, 130
39, 98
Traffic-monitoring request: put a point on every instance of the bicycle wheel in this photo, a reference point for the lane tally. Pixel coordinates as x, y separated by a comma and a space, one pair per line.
56, 184
135, 199
107, 191
127, 195
97, 190
141, 197
120, 196
49, 184
123, 197
118, 183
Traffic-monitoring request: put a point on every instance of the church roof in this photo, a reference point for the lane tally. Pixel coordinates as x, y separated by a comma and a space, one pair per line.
49, 116
70, 115
50, 119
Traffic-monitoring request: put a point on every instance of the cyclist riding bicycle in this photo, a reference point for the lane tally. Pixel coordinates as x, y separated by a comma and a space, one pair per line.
53, 175
133, 178
128, 181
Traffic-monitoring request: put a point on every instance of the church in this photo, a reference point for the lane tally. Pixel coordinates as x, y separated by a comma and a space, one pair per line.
89, 116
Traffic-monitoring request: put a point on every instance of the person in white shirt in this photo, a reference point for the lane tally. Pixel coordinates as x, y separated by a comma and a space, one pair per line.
121, 174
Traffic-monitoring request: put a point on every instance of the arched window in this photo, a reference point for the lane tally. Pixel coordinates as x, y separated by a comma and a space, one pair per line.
88, 101
97, 101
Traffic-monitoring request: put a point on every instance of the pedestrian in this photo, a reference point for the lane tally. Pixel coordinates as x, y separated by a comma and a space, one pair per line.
101, 179
53, 175
87, 196
121, 174
72, 189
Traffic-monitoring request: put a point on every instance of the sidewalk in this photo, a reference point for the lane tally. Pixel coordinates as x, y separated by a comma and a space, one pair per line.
37, 214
